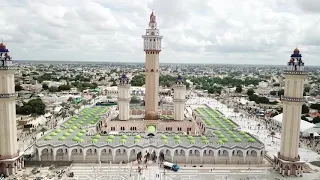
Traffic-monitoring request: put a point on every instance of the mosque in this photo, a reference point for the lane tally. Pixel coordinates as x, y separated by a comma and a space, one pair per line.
176, 133
124, 133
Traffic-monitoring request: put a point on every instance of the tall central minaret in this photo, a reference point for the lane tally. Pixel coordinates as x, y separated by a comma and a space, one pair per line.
288, 161
152, 47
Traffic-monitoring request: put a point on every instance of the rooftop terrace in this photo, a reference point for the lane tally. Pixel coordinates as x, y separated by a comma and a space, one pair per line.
224, 129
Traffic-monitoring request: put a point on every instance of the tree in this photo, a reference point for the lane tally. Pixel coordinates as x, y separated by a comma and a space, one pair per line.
63, 114
34, 106
305, 109
316, 120
45, 87
272, 134
307, 89
250, 92
315, 106
135, 100
273, 93
281, 93
70, 99
238, 89
53, 89
64, 88
18, 87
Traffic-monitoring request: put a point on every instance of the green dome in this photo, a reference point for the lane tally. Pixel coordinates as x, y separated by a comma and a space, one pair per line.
74, 127
234, 136
95, 140
151, 129
165, 141
66, 134
163, 137
219, 141
203, 138
97, 136
109, 140
218, 133
221, 136
47, 138
111, 137
242, 133
205, 141
53, 134
237, 140
75, 138
246, 136
62, 138
190, 137
124, 137
176, 137
58, 130
224, 140
178, 141
192, 142
123, 140
70, 130
79, 134
137, 137
83, 131
136, 140
251, 140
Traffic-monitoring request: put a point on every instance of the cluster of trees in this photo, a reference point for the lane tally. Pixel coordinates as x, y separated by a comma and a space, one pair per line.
164, 81
18, 87
260, 99
226, 81
135, 100
34, 107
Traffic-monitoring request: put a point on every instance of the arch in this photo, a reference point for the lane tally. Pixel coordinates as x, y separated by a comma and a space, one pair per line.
46, 154
61, 154
152, 70
254, 153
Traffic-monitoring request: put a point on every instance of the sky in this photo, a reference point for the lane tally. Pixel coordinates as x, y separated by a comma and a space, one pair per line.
195, 31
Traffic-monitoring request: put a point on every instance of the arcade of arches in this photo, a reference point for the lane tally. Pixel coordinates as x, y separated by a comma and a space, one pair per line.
11, 167
177, 155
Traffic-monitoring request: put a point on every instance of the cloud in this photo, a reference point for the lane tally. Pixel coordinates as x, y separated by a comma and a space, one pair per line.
206, 31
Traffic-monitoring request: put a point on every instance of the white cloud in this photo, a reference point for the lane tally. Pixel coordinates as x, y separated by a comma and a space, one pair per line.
206, 31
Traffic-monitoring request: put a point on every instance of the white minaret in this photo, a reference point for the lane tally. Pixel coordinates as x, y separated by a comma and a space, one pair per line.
288, 161
179, 99
9, 153
152, 47
124, 97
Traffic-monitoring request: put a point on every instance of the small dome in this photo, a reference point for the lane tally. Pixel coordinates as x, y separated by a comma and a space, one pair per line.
124, 76
296, 51
180, 78
2, 46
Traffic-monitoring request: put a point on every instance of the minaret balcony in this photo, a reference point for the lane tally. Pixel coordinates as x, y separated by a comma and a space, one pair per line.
179, 100
295, 68
8, 95
293, 99
124, 99
124, 85
288, 158
6, 67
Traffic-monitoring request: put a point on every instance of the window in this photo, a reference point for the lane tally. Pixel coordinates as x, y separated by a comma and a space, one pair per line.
122, 128
113, 128
168, 128
179, 128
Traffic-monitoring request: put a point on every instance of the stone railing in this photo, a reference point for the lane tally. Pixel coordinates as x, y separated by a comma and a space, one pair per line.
8, 95
293, 99
8, 68
288, 158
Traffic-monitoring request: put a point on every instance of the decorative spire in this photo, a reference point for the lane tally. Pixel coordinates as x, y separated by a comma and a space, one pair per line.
152, 17
296, 53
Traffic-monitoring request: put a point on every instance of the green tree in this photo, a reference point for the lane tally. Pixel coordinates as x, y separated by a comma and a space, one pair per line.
45, 87
250, 92
238, 89
281, 93
34, 106
18, 87
273, 93
315, 106
64, 88
53, 89
316, 120
135, 100
305, 109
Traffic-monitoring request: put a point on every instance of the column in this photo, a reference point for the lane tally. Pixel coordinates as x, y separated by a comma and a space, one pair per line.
16, 167
69, 154
54, 154
7, 170
288, 172
22, 163
99, 155
84, 155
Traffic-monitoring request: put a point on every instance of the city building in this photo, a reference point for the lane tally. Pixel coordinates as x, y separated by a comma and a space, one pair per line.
288, 161
10, 157
105, 134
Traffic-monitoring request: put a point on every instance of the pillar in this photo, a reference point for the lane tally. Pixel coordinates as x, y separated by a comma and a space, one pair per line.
54, 154
7, 170
99, 155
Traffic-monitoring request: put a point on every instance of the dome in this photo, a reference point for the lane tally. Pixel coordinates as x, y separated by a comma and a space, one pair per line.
151, 115
124, 76
179, 78
296, 51
2, 46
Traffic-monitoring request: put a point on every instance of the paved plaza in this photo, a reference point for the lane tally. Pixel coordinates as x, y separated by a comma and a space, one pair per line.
116, 172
